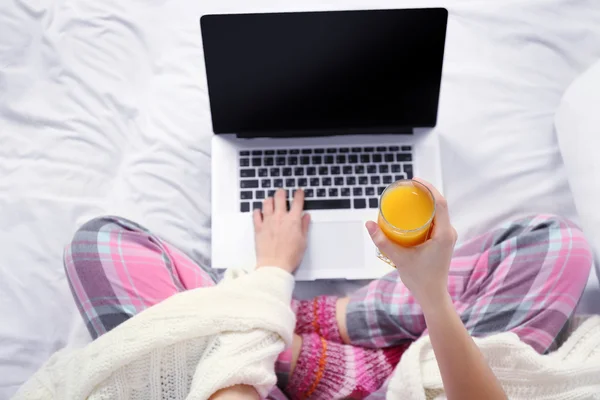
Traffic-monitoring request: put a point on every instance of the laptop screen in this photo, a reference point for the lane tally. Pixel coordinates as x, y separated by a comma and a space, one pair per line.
336, 72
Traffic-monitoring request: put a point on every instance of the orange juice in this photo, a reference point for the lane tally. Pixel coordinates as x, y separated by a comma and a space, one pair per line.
406, 212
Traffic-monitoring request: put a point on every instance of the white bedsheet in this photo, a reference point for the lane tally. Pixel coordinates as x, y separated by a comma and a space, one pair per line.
103, 109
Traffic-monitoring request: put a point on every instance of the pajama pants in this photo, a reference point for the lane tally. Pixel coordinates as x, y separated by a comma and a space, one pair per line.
526, 277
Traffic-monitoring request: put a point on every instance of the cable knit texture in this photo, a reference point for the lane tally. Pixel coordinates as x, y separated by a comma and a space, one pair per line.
187, 347
318, 316
327, 370
572, 372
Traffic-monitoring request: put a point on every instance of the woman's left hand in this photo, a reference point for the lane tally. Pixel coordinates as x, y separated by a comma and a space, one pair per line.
281, 235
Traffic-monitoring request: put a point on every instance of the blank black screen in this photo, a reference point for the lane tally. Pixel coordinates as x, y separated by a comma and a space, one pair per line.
339, 71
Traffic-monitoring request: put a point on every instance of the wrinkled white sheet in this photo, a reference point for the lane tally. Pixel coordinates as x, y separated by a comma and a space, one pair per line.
104, 109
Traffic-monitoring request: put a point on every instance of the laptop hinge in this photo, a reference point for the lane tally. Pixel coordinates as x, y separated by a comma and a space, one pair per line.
331, 132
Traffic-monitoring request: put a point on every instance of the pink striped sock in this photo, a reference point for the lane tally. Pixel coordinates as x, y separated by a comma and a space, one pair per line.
317, 316
327, 370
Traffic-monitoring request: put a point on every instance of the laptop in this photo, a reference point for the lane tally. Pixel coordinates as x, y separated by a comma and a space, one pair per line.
339, 103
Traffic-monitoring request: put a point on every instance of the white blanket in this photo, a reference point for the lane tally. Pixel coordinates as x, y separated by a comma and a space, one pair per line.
572, 372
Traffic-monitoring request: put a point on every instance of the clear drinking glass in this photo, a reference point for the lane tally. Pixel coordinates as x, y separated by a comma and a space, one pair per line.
406, 211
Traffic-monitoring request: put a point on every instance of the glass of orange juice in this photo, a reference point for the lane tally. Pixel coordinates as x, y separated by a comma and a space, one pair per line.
406, 211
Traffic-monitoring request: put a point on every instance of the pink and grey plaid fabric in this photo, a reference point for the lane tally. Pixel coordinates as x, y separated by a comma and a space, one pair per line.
525, 277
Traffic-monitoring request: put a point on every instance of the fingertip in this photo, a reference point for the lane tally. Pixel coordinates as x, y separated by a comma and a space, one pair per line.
371, 227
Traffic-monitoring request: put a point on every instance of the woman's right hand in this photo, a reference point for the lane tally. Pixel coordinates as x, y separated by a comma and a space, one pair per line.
423, 268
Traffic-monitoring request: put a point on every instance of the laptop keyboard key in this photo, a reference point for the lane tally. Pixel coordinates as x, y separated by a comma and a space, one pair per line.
247, 173
244, 153
375, 180
338, 181
280, 161
262, 172
373, 203
371, 169
286, 171
381, 148
299, 171
290, 182
384, 169
265, 183
357, 191
394, 148
295, 151
271, 193
328, 159
269, 152
408, 170
249, 184
317, 160
269, 161
380, 190
306, 151
359, 169
260, 194
323, 171
309, 193
274, 171
352, 159
370, 191
314, 182
333, 192
319, 151
326, 181
396, 168
246, 195
292, 161
304, 160
350, 180
333, 204
311, 171
376, 158
389, 157
363, 180
365, 158
256, 162
345, 192
403, 157
356, 149
257, 205
278, 183
344, 150
406, 148
341, 159
387, 179
398, 177
244, 162
360, 203
302, 182
334, 170
245, 207
282, 152
331, 150
347, 170
321, 192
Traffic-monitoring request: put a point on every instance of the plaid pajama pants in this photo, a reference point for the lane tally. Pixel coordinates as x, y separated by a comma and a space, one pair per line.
526, 277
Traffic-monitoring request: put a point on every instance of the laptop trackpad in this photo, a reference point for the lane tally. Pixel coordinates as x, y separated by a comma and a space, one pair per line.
333, 247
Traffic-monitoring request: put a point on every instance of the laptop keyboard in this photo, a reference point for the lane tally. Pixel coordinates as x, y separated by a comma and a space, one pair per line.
332, 177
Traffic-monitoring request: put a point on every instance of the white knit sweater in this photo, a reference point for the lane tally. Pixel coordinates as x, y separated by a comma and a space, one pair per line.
572, 372
187, 347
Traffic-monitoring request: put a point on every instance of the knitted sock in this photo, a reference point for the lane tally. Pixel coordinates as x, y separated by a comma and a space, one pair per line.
317, 316
328, 370
283, 365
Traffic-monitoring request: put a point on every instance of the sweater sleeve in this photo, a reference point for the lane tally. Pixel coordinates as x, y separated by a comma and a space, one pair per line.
247, 356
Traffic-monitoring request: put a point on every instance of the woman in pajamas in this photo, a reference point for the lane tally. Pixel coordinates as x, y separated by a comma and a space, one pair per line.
524, 277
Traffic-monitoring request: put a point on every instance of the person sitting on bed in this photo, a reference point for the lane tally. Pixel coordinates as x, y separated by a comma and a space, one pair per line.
523, 277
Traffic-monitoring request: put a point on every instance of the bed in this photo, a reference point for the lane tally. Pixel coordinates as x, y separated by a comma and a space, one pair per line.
104, 110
